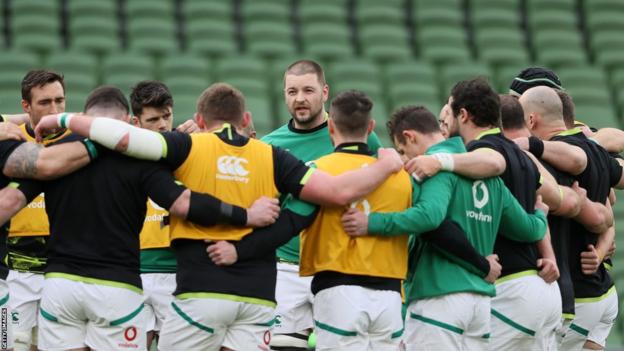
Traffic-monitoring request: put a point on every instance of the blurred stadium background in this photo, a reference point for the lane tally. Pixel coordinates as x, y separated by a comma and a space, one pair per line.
398, 51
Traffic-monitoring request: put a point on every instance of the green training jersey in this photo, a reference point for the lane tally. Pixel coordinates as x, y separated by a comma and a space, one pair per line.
158, 261
478, 207
306, 145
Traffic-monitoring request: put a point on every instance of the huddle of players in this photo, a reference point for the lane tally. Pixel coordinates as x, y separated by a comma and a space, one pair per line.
356, 284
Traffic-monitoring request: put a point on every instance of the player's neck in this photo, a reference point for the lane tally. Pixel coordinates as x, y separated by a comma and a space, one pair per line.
317, 121
551, 130
339, 139
517, 133
473, 132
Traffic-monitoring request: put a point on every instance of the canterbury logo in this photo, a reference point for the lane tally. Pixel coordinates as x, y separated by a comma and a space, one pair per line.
232, 168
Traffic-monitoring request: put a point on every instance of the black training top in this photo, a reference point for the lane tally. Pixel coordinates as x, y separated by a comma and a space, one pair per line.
97, 212
522, 178
560, 239
6, 149
602, 173
251, 278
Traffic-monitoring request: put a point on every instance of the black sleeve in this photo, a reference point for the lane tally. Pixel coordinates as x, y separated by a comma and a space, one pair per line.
615, 172
263, 241
207, 210
6, 149
289, 172
158, 183
178, 148
29, 187
451, 240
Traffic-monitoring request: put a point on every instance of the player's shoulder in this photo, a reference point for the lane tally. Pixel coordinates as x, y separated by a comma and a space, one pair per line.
276, 134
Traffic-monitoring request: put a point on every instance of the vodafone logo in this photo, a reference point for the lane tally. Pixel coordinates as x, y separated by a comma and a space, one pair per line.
130, 333
232, 168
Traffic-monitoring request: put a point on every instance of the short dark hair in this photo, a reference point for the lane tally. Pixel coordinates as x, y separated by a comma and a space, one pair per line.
107, 97
150, 93
411, 117
567, 104
39, 78
512, 114
223, 102
302, 67
479, 99
351, 110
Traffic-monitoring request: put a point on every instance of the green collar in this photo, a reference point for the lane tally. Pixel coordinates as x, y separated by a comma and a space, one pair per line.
453, 145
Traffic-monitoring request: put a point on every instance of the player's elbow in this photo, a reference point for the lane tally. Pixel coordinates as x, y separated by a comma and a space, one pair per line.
577, 165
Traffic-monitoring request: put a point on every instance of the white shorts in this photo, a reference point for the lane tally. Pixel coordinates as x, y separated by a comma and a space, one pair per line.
459, 321
593, 321
526, 313
294, 300
25, 290
207, 324
6, 327
76, 314
350, 317
158, 292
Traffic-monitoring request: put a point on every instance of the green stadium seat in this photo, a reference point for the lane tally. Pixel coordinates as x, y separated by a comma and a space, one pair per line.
437, 17
94, 34
15, 64
494, 18
127, 69
79, 8
534, 6
261, 114
384, 43
589, 95
37, 32
378, 13
410, 72
246, 67
453, 73
335, 43
607, 41
443, 44
513, 5
552, 19
608, 5
590, 77
501, 46
33, 7
505, 75
212, 38
558, 47
153, 37
185, 65
184, 108
156, 10
10, 101
267, 39
258, 10
249, 87
354, 70
314, 12
80, 70
598, 116
192, 86
203, 10
443, 4
402, 94
601, 20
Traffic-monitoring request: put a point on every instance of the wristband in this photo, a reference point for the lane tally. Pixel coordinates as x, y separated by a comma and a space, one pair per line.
446, 161
536, 146
91, 148
63, 120
416, 177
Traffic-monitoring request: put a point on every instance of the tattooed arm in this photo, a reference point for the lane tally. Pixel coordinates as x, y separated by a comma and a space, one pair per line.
30, 160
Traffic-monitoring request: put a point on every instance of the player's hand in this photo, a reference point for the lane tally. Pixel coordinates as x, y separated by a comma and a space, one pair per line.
263, 212
590, 260
548, 269
391, 159
47, 125
495, 268
222, 253
539, 204
423, 166
10, 131
188, 127
522, 143
355, 222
